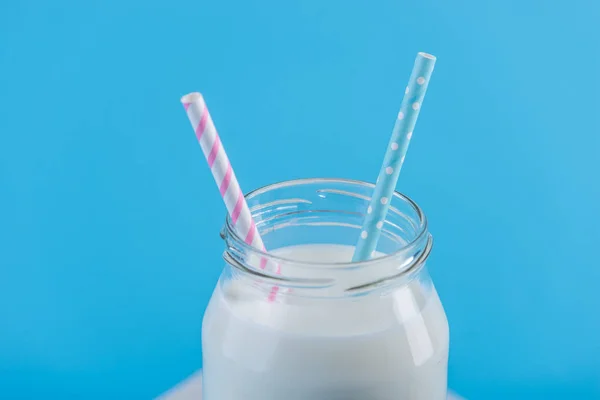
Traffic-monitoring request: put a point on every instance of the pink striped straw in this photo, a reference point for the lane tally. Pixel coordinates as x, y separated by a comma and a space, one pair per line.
222, 171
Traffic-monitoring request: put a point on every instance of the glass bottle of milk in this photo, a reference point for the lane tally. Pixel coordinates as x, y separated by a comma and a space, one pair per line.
302, 322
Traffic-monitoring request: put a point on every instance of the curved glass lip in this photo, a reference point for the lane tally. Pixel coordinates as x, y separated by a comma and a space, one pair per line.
422, 227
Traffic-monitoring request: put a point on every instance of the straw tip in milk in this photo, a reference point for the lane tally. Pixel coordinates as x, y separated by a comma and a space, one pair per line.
191, 97
427, 55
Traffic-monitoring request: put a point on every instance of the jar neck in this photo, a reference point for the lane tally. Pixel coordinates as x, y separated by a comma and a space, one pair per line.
327, 212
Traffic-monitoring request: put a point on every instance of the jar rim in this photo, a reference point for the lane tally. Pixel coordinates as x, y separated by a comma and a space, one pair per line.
419, 236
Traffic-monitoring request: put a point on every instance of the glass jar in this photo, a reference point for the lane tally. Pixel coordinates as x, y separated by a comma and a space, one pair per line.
312, 325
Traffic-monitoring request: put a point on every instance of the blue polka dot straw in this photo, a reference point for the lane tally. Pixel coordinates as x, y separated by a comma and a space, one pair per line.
394, 156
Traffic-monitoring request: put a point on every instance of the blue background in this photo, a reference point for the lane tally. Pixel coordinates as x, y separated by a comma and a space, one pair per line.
109, 217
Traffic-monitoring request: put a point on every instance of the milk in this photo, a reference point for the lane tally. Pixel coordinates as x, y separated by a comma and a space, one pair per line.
382, 346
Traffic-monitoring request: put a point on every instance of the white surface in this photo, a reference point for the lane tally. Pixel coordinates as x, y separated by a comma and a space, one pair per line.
191, 389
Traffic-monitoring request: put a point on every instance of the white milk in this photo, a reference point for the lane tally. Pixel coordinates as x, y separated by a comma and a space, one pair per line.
375, 347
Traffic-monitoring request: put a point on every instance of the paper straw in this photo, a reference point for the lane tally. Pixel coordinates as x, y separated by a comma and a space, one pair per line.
222, 171
394, 157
